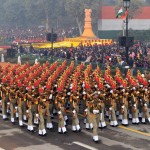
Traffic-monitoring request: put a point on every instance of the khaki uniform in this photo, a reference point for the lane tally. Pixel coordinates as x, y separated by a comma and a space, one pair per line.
35, 112
102, 123
95, 120
20, 111
49, 124
145, 114
12, 108
113, 119
135, 111
89, 123
75, 120
124, 115
4, 107
30, 116
42, 130
0, 101
24, 108
61, 122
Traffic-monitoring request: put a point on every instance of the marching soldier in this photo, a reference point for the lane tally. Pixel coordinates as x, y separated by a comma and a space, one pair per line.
0, 98
94, 114
4, 106
35, 110
12, 105
89, 124
61, 121
145, 111
20, 99
49, 124
41, 111
135, 111
24, 106
124, 112
30, 116
102, 123
113, 119
75, 120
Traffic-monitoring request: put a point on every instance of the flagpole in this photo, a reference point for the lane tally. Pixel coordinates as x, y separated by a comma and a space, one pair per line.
126, 5
127, 48
123, 32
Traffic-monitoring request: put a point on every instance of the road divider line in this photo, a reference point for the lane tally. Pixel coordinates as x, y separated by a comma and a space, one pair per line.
84, 145
133, 130
127, 128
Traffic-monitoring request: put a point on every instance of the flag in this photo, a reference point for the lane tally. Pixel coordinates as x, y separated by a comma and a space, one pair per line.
120, 13
124, 16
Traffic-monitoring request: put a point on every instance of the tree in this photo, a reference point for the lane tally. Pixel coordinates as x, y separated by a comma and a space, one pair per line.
134, 10
14, 12
76, 10
47, 12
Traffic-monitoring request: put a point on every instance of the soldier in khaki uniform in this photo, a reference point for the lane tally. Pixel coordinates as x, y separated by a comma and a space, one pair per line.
24, 106
135, 111
124, 111
35, 110
4, 106
30, 115
89, 124
145, 110
41, 111
12, 107
20, 99
75, 120
61, 121
94, 114
102, 123
113, 119
49, 124
0, 98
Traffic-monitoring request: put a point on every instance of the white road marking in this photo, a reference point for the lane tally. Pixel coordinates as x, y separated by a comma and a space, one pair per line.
84, 145
110, 142
9, 132
45, 146
1, 148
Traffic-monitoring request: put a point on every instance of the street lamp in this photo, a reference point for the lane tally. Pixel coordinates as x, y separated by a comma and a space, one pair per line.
126, 5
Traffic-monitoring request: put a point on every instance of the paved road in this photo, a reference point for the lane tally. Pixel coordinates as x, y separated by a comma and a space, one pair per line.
12, 137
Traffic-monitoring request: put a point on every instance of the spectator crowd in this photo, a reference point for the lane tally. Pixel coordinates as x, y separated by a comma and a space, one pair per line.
112, 54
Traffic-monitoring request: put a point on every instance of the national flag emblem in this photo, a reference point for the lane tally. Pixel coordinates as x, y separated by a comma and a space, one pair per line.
120, 13
124, 16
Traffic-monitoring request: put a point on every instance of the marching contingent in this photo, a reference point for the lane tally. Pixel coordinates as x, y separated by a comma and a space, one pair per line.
36, 93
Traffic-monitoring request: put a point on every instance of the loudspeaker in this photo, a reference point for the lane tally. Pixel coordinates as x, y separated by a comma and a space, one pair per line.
129, 41
11, 52
48, 36
126, 41
122, 41
54, 37
51, 37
